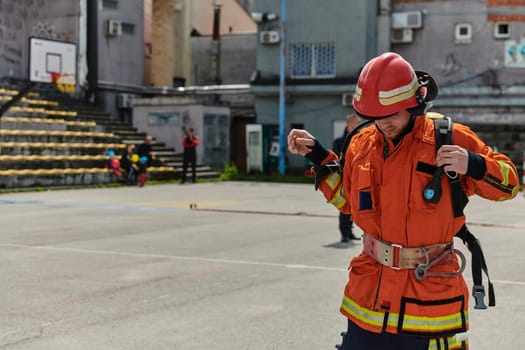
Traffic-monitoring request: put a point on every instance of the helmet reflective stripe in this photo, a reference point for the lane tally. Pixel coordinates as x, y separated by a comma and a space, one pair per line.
357, 93
399, 94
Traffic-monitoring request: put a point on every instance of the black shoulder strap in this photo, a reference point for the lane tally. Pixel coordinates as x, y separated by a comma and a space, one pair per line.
478, 264
443, 132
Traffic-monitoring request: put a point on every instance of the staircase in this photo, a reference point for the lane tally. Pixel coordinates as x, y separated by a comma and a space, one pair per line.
127, 134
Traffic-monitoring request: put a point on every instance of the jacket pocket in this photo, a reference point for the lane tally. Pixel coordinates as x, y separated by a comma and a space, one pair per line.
420, 180
432, 317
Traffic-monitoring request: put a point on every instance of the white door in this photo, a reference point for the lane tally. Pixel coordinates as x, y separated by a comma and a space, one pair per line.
254, 151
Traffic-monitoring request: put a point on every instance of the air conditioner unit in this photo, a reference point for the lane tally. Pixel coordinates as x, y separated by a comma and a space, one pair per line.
269, 37
401, 36
114, 28
124, 101
411, 19
347, 98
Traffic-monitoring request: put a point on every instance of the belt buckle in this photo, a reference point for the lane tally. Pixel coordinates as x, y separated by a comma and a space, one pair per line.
394, 245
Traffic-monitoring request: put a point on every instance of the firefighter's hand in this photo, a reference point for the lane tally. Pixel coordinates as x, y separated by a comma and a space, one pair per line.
453, 159
299, 140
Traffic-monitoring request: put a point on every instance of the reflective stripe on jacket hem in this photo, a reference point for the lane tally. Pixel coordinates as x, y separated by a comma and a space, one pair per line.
450, 343
412, 324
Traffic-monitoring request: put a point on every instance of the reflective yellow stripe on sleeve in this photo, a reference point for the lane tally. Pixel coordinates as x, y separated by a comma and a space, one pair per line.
505, 171
338, 200
333, 180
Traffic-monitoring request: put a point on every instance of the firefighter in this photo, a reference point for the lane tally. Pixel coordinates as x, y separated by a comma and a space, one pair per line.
406, 289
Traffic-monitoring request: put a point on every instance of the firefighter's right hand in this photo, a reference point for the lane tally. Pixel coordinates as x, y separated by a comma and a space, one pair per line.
300, 142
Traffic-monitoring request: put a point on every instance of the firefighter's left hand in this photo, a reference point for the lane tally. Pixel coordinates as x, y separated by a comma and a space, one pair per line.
453, 159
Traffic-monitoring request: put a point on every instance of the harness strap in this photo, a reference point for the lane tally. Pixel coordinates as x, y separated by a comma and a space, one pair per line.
459, 198
443, 132
478, 264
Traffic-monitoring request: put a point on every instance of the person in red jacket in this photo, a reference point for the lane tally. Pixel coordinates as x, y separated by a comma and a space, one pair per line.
406, 289
189, 143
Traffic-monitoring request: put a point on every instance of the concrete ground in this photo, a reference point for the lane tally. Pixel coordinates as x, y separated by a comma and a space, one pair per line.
135, 268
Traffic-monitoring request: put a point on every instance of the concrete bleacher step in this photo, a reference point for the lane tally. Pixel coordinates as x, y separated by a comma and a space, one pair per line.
30, 123
49, 143
35, 162
57, 148
53, 136
69, 177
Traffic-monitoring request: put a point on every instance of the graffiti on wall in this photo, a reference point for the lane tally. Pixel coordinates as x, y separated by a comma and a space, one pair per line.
20, 19
44, 30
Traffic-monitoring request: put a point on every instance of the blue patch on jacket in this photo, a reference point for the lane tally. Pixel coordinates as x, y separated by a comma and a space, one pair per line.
365, 201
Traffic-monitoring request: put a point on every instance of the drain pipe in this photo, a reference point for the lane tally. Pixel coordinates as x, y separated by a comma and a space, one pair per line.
92, 51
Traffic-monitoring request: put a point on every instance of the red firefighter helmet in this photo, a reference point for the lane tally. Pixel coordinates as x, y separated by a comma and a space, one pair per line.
388, 84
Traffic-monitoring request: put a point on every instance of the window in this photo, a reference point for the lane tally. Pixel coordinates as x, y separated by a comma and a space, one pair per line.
312, 60
128, 28
501, 30
463, 33
216, 131
158, 118
110, 4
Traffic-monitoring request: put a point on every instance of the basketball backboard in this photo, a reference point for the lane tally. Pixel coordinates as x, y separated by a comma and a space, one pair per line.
52, 61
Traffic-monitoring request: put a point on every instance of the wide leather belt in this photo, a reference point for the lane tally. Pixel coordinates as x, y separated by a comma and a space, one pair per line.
398, 257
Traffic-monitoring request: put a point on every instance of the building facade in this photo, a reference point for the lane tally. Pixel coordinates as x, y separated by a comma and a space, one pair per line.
327, 43
474, 49
476, 52
465, 41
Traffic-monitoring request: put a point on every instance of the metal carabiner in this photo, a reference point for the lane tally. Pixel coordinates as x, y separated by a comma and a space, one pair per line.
421, 270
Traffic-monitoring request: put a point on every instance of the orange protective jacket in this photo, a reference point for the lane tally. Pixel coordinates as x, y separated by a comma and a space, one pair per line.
385, 199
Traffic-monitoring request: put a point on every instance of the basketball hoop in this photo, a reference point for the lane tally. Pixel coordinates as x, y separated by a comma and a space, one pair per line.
53, 62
